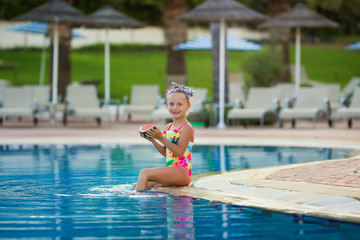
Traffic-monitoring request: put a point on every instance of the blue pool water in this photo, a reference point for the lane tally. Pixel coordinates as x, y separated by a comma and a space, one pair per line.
84, 192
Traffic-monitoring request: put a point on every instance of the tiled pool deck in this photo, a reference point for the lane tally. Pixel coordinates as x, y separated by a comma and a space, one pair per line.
328, 189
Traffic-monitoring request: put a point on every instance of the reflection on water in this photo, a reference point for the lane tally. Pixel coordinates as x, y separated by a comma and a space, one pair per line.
66, 191
65, 159
180, 218
220, 158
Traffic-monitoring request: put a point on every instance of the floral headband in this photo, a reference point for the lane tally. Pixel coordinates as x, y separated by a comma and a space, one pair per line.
188, 92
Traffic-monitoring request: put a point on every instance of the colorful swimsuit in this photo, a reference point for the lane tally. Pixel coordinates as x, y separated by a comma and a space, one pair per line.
174, 161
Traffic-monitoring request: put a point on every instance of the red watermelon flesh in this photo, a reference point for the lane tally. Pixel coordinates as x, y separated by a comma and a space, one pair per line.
143, 129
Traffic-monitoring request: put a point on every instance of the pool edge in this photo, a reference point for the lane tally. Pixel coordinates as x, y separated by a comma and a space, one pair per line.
250, 189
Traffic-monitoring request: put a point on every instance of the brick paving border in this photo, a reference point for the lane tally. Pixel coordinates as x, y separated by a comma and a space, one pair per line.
344, 173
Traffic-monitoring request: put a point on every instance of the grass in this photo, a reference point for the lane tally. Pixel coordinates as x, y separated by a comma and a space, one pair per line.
330, 65
136, 64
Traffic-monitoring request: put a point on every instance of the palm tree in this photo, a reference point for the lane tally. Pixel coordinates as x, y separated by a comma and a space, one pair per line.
277, 7
64, 67
175, 33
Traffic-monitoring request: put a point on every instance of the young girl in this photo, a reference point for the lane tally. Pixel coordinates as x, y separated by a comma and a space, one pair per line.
176, 144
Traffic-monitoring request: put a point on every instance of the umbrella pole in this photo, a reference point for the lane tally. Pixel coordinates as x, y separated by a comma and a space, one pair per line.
297, 62
221, 124
107, 68
55, 70
42, 65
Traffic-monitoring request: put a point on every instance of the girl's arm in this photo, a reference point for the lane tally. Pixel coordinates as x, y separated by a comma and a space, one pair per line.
178, 149
159, 147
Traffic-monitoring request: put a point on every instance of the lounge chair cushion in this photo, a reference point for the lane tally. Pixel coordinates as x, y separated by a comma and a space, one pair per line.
161, 113
139, 108
16, 112
90, 112
347, 112
246, 113
291, 113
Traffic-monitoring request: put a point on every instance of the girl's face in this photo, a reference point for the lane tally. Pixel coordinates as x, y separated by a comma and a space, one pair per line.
178, 105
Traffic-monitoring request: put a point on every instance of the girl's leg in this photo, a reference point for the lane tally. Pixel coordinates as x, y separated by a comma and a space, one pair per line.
166, 176
150, 185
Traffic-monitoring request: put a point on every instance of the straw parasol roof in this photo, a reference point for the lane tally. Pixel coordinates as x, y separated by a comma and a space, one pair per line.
299, 16
230, 10
55, 10
107, 17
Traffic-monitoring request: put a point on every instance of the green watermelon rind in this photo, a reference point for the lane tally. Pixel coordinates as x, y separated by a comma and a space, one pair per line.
144, 128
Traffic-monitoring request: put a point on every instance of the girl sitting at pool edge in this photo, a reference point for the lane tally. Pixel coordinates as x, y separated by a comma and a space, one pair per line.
175, 144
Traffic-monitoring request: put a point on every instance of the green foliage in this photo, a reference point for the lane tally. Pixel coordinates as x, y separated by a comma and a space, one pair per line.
13, 8
332, 5
263, 68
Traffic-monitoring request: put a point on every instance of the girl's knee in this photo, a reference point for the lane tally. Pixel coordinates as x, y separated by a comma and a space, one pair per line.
144, 174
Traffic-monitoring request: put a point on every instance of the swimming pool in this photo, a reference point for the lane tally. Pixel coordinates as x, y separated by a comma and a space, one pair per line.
74, 191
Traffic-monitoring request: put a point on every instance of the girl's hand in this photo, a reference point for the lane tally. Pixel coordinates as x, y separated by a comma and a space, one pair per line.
154, 133
146, 136
143, 135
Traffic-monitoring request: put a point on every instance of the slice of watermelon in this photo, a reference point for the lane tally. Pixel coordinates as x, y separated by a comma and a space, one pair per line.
143, 129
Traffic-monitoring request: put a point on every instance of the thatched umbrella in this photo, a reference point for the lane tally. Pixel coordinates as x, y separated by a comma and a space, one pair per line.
222, 11
298, 17
55, 12
107, 17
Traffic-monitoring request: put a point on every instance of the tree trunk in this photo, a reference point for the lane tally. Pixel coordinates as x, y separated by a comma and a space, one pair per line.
175, 33
215, 57
64, 71
64, 59
64, 68
275, 8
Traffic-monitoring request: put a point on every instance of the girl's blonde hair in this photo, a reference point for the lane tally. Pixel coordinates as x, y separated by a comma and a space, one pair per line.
176, 88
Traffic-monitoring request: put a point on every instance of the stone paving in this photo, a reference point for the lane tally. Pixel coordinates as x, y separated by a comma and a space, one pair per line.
344, 173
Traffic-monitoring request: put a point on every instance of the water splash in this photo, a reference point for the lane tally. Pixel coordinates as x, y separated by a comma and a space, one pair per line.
122, 190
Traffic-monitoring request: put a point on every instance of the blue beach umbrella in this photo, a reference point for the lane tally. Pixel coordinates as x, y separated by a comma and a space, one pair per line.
354, 46
36, 28
205, 43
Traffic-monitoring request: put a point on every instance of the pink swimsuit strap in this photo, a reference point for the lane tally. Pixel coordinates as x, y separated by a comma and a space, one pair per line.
179, 127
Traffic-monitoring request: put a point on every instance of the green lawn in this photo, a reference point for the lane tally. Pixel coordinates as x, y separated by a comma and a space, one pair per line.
330, 65
141, 65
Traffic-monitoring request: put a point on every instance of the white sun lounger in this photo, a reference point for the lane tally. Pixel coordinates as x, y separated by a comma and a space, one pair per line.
83, 102
311, 103
142, 100
41, 94
353, 111
262, 101
350, 86
18, 103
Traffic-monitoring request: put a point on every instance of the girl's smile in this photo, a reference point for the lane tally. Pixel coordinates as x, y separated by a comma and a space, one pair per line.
178, 105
